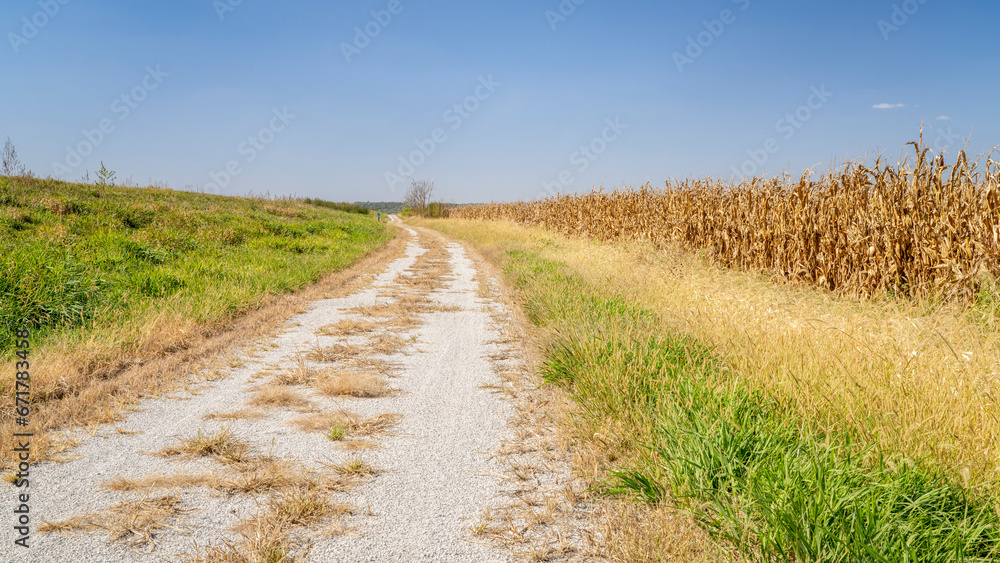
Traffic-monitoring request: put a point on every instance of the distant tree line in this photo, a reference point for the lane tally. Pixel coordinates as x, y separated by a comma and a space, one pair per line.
389, 207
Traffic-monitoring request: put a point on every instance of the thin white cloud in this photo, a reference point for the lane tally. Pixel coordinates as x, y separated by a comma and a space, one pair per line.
943, 118
888, 106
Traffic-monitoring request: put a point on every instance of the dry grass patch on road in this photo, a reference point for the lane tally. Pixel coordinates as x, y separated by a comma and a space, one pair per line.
386, 344
358, 445
303, 507
154, 482
278, 396
223, 446
242, 414
349, 383
268, 537
402, 322
347, 327
298, 374
373, 365
334, 353
376, 425
132, 523
321, 422
351, 424
355, 467
430, 271
404, 303
267, 474
262, 542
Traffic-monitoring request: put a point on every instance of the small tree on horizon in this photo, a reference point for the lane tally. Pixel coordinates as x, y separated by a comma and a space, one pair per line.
418, 196
105, 177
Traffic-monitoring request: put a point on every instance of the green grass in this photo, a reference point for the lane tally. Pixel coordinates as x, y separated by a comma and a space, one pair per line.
693, 433
77, 259
339, 206
336, 432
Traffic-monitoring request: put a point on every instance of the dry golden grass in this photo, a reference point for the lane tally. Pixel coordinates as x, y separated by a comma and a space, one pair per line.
157, 482
355, 467
407, 305
321, 422
402, 322
358, 445
223, 446
298, 374
278, 396
352, 424
429, 272
334, 353
347, 327
386, 344
242, 414
376, 425
91, 382
266, 474
132, 523
268, 537
351, 383
263, 541
915, 228
372, 365
303, 507
641, 534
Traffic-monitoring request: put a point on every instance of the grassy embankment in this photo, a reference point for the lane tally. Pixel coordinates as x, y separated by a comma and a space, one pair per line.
791, 423
108, 278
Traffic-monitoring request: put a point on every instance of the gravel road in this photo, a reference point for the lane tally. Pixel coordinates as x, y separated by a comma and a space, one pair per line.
413, 344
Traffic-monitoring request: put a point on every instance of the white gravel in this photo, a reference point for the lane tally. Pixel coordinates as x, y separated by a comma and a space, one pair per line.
438, 475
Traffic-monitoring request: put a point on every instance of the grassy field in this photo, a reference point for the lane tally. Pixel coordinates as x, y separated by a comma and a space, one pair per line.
108, 277
792, 423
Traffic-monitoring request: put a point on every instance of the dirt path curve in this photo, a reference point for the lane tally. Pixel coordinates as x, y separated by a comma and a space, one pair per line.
362, 432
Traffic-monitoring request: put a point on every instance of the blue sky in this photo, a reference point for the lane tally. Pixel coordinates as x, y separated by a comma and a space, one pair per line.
492, 100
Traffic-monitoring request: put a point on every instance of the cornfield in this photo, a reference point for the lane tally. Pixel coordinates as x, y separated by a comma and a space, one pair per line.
915, 228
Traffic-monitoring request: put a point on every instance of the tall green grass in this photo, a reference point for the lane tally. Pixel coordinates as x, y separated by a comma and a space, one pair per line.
77, 258
339, 206
751, 473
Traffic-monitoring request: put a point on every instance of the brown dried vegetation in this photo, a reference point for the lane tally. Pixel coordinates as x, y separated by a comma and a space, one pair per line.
132, 523
913, 229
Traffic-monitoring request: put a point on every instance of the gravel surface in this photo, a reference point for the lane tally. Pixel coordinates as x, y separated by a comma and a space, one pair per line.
437, 475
